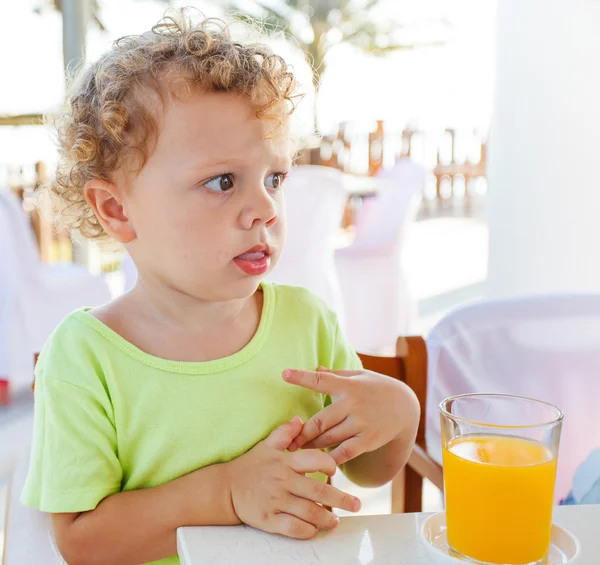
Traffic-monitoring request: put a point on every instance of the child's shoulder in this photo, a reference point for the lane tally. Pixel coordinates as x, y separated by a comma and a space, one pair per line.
91, 325
71, 347
74, 328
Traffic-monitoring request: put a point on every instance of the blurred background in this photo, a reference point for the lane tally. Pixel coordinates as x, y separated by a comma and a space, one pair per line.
447, 147
395, 78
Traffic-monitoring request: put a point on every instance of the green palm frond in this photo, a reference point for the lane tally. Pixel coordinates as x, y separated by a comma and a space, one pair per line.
269, 23
326, 23
315, 25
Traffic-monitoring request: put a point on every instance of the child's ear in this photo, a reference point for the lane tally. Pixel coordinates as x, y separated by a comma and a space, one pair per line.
103, 197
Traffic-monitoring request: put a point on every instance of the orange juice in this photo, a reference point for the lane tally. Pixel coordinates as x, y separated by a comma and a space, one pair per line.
498, 493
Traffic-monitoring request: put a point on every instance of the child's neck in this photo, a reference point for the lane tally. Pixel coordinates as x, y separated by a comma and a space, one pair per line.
176, 327
170, 308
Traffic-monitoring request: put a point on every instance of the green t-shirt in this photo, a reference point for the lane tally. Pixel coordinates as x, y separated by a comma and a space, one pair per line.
111, 418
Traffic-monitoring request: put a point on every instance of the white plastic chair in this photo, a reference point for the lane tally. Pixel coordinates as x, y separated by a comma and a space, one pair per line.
544, 347
376, 298
128, 272
315, 198
27, 534
34, 298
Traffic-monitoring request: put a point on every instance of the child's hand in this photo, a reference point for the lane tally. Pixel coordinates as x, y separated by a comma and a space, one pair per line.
366, 413
269, 490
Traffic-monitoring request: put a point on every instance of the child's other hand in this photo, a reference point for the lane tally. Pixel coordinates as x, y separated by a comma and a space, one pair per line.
367, 411
269, 490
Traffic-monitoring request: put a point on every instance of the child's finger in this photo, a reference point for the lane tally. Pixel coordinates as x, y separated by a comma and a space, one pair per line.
310, 512
281, 437
313, 461
325, 494
292, 527
348, 450
343, 372
318, 424
334, 436
319, 381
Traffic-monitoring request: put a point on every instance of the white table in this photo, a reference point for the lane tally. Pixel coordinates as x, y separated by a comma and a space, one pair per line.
358, 540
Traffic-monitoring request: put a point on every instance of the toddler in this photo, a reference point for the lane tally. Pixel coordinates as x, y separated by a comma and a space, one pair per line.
185, 402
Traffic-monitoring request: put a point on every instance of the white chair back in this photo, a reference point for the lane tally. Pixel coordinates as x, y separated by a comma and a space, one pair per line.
544, 347
315, 198
19, 229
128, 272
15, 314
392, 209
377, 300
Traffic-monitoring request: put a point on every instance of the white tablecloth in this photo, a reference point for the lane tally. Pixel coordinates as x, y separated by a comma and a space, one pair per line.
358, 540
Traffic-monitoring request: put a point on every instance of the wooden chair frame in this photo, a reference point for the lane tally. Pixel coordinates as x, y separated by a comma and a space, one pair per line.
409, 365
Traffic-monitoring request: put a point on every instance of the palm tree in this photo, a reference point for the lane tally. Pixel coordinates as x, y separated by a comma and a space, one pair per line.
318, 25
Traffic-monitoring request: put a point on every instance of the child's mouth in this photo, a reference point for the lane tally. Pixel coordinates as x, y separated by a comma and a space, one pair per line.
255, 261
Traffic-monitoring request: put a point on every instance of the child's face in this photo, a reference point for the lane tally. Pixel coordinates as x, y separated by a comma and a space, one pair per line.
207, 207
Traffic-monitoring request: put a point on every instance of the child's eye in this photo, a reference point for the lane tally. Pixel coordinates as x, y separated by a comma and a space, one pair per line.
275, 180
222, 183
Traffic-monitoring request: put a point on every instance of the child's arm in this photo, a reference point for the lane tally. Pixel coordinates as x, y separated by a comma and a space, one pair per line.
135, 527
375, 468
371, 423
400, 411
265, 488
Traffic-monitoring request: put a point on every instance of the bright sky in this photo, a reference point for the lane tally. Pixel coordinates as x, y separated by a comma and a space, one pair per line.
433, 87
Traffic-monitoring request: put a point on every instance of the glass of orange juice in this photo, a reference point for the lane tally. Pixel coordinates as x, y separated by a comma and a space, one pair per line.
499, 458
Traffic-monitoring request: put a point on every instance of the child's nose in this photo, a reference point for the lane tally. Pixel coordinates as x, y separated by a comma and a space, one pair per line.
260, 208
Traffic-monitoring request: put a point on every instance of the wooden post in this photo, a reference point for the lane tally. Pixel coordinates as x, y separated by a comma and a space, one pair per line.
415, 376
41, 227
376, 149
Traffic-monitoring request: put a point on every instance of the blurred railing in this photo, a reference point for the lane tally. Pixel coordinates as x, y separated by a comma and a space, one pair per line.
456, 158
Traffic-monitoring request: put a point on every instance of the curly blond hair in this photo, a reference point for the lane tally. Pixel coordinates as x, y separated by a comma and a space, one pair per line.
105, 118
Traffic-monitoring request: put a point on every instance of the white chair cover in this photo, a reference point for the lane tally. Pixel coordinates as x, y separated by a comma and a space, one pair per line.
544, 347
28, 535
376, 298
128, 271
34, 298
315, 198
11, 340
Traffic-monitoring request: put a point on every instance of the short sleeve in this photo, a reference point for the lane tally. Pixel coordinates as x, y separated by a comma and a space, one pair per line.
74, 462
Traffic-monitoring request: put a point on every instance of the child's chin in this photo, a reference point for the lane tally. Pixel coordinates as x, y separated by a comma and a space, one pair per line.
245, 287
